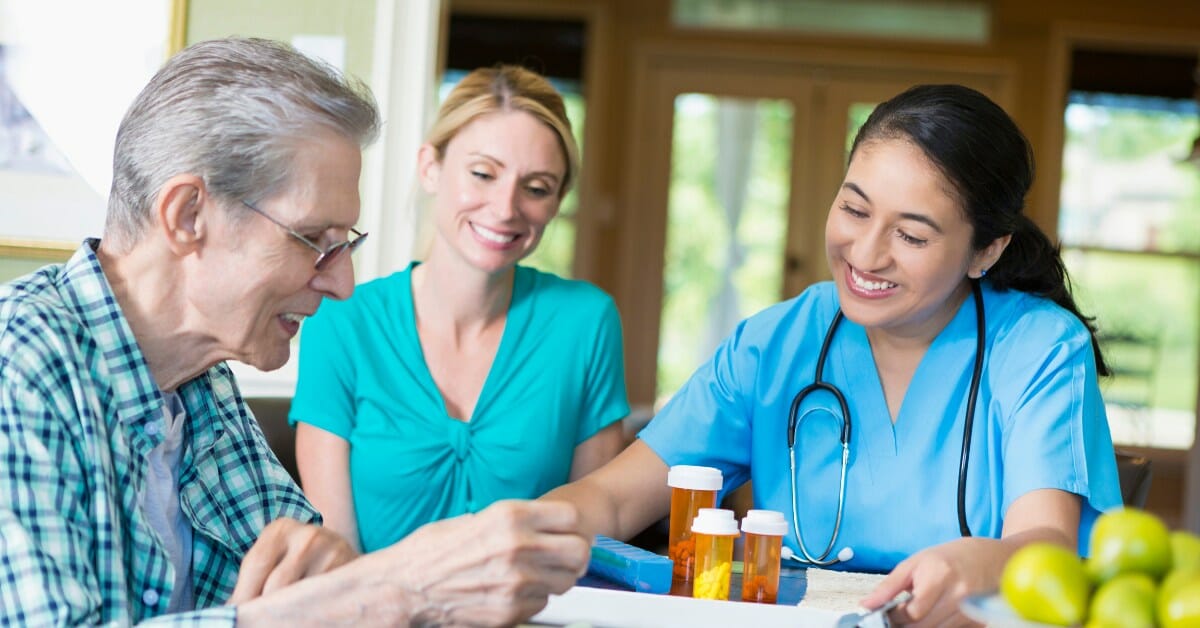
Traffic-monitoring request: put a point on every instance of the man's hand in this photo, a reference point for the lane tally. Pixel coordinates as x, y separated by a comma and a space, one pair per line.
285, 552
496, 567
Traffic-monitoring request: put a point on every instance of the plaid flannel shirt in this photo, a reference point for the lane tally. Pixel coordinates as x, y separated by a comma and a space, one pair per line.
79, 411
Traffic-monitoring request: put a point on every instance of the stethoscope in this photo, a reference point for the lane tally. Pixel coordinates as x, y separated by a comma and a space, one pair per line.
846, 553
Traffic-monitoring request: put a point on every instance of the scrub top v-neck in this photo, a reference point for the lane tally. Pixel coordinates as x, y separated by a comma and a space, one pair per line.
556, 380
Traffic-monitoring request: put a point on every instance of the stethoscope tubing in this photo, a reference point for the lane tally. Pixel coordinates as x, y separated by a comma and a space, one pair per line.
823, 560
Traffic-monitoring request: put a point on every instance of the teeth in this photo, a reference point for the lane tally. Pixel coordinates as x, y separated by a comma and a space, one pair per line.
869, 285
493, 236
292, 317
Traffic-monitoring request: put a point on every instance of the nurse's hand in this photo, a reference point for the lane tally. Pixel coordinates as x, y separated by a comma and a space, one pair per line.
939, 578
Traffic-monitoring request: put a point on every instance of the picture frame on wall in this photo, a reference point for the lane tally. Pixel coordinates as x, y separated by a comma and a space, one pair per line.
56, 136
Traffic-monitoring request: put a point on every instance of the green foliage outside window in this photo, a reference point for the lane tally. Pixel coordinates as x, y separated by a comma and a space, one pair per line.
698, 237
1130, 225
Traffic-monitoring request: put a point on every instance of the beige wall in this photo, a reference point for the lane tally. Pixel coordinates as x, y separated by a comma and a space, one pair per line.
353, 20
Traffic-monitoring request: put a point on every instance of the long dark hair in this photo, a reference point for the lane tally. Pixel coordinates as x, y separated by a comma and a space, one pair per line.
980, 150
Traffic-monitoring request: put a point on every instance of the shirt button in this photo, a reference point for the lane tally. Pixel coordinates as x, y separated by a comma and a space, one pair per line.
152, 429
150, 597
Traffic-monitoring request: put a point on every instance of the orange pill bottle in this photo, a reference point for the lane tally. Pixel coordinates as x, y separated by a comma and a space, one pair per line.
692, 488
714, 531
764, 530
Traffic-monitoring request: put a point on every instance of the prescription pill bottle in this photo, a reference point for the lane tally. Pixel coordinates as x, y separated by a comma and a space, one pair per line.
692, 488
713, 530
764, 530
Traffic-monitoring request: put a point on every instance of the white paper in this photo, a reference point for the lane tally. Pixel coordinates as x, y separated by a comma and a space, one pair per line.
605, 608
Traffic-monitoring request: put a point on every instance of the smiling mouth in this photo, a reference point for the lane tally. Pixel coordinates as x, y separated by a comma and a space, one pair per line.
493, 236
866, 285
293, 317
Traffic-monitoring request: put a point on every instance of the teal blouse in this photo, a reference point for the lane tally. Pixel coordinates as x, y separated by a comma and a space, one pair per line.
557, 379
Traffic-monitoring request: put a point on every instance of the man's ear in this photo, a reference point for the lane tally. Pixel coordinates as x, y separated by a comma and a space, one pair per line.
429, 167
988, 256
180, 212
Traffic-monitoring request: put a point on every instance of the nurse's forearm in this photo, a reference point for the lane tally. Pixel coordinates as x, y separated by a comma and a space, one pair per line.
1043, 515
621, 498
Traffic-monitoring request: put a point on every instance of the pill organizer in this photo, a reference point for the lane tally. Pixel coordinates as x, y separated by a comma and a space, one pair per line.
634, 567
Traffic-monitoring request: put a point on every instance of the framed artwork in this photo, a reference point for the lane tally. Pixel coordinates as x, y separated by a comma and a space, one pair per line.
56, 135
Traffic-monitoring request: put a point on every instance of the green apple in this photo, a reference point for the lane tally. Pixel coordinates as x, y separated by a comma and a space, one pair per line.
1046, 583
1128, 540
1127, 600
1185, 551
1179, 601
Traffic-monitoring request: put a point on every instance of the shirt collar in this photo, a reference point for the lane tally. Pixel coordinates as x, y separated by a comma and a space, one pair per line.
87, 293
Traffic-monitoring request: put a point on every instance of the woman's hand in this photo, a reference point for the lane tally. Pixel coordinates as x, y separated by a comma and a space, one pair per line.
939, 578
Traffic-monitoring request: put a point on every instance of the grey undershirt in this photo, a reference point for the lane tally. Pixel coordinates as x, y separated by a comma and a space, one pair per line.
160, 502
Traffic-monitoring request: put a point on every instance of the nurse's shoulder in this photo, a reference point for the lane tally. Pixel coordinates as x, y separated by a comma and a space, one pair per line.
1020, 318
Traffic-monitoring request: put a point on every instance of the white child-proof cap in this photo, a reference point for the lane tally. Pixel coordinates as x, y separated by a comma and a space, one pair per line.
715, 521
694, 478
768, 522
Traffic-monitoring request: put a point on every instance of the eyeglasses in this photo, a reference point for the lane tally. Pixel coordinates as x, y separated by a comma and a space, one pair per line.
326, 256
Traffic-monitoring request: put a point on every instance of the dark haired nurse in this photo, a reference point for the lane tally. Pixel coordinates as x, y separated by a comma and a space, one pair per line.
926, 227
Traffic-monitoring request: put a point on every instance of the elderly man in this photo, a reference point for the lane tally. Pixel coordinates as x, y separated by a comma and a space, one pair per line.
134, 482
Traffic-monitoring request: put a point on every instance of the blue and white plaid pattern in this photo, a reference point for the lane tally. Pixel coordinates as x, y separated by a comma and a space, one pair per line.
79, 411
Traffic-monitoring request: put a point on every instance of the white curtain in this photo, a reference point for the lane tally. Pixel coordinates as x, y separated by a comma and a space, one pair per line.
736, 120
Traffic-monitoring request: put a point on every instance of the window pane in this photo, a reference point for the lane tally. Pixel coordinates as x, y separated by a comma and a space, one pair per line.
856, 117
1124, 183
964, 21
1149, 333
1130, 221
729, 190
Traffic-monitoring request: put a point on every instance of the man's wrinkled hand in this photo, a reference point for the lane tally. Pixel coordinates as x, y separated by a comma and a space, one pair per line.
497, 567
288, 551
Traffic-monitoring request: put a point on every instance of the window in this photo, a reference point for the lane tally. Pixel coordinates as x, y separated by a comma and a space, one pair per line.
961, 21
1130, 227
727, 215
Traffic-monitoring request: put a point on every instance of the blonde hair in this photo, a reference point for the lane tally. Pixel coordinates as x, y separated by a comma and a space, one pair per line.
505, 88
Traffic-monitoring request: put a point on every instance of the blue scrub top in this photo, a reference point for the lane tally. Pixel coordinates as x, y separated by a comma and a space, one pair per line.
1039, 423
558, 378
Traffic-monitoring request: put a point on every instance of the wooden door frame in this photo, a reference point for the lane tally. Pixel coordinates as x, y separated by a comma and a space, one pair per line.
642, 224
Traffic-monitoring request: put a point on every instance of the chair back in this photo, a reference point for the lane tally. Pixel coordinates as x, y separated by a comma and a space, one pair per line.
272, 413
1134, 472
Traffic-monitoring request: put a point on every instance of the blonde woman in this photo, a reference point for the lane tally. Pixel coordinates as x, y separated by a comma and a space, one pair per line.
466, 378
